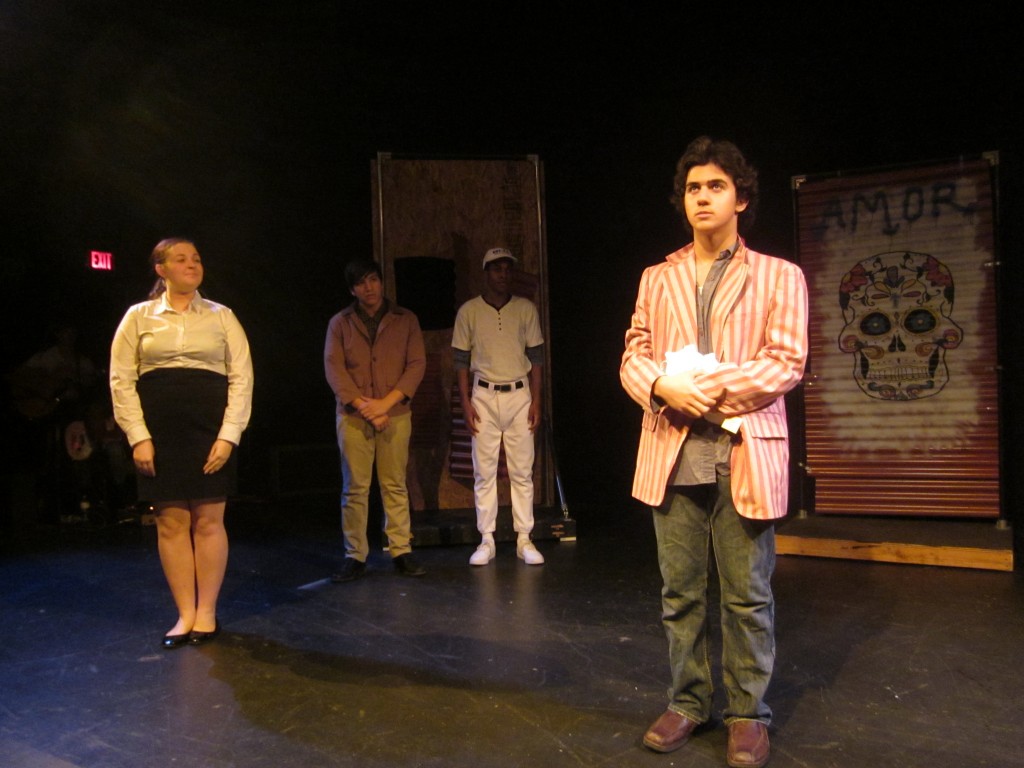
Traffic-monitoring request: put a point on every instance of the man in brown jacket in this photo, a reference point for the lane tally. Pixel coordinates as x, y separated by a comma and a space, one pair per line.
374, 360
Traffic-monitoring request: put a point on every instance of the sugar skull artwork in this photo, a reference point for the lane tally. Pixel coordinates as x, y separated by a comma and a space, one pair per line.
897, 310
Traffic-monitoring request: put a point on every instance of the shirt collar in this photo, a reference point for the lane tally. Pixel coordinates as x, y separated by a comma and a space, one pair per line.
197, 304
384, 307
728, 252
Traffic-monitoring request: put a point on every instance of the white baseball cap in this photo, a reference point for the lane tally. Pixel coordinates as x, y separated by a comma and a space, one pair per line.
498, 253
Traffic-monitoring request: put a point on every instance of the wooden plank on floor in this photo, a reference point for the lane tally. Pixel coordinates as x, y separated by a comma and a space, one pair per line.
889, 552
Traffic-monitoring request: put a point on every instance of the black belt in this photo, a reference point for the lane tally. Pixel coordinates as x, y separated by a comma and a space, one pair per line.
500, 387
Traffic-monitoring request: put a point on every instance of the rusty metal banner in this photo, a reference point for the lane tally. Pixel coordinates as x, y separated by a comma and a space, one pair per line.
901, 394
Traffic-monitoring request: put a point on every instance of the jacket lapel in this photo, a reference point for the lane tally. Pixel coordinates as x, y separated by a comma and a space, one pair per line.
681, 298
727, 295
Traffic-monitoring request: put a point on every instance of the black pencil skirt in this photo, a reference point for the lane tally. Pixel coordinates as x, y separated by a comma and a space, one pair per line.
184, 410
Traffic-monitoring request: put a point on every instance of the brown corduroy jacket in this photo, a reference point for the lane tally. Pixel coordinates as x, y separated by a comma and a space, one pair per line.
397, 359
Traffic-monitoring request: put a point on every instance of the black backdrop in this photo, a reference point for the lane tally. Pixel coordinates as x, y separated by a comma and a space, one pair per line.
251, 128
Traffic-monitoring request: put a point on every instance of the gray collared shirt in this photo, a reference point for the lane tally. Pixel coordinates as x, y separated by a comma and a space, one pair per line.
706, 450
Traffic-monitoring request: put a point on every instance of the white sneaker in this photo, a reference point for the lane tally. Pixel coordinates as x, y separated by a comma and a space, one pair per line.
528, 553
484, 553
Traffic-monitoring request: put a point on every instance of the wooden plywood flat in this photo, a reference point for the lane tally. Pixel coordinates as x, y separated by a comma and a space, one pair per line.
956, 544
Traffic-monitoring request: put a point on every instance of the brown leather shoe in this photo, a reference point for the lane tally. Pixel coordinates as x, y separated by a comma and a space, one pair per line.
669, 732
748, 744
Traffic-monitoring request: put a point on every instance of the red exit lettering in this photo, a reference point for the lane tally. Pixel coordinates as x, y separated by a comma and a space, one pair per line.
101, 260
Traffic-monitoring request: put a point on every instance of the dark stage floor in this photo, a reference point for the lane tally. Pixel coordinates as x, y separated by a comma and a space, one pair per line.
507, 665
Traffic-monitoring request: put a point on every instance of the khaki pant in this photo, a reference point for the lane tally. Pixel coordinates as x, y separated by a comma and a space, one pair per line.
361, 447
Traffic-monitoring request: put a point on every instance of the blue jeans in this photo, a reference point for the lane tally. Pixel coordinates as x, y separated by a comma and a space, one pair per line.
691, 523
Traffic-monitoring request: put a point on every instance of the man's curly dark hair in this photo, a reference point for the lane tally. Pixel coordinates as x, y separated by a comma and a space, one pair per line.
727, 156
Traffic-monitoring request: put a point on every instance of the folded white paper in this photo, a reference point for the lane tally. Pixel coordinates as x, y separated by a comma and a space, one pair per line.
690, 359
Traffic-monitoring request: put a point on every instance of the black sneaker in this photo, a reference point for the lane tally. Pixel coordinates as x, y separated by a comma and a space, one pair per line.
407, 566
351, 570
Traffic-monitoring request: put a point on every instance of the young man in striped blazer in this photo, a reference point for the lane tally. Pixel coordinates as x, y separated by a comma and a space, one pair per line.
718, 336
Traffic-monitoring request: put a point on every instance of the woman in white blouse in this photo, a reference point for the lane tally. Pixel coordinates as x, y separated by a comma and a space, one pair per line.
181, 381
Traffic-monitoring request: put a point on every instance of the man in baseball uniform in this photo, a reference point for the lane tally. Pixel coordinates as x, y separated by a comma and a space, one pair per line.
498, 353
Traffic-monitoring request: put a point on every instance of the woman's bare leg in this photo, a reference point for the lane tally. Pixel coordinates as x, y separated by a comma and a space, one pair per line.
174, 543
210, 540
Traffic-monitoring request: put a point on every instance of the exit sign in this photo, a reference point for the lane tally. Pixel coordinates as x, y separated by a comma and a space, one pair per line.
101, 260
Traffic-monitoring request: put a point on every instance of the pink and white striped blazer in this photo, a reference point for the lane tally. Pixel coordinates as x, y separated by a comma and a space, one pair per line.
759, 334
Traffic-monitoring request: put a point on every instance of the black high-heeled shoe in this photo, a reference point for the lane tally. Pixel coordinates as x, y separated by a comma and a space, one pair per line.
198, 638
175, 641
